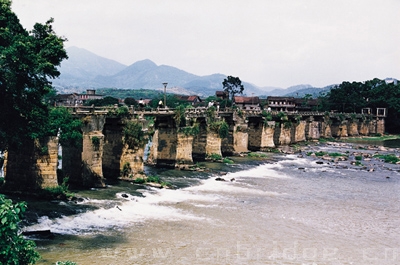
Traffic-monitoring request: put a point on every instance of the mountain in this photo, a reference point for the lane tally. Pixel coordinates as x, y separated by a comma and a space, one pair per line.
85, 69
83, 66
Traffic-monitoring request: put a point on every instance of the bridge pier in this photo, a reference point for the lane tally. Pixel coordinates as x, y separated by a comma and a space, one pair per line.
33, 166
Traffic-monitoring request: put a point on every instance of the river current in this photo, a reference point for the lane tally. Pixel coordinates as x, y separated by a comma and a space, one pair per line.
285, 211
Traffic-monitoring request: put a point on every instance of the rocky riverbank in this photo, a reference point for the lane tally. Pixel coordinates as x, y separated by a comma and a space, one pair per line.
371, 158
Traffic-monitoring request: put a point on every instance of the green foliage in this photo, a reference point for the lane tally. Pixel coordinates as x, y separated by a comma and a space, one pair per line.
66, 263
14, 249
126, 170
123, 111
60, 191
352, 97
139, 181
179, 117
282, 116
256, 155
190, 130
129, 101
220, 127
214, 157
336, 154
1, 181
267, 116
28, 61
154, 179
133, 134
358, 158
232, 85
62, 121
96, 142
321, 153
393, 159
227, 161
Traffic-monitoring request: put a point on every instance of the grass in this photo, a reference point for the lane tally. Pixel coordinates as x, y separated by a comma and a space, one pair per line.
227, 161
322, 153
393, 159
152, 179
256, 155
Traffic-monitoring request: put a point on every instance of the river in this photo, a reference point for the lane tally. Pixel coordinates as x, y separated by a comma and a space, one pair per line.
286, 210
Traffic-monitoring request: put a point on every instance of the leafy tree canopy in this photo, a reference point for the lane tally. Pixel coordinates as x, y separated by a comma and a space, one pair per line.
376, 93
232, 85
28, 60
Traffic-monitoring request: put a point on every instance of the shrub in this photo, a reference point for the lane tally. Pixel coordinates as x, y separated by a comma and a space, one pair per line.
133, 134
14, 249
96, 142
321, 153
227, 161
358, 158
66, 263
214, 156
393, 159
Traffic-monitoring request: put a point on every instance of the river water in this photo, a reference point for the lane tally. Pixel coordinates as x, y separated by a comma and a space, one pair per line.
288, 210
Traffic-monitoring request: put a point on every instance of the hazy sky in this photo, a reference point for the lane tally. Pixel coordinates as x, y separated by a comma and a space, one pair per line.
265, 42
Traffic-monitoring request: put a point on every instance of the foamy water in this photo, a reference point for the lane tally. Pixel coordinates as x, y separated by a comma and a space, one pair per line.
289, 212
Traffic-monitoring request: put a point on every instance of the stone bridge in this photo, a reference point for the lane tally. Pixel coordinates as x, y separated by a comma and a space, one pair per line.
103, 154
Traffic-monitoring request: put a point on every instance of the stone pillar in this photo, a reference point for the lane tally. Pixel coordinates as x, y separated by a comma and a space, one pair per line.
132, 161
352, 128
284, 137
112, 149
72, 164
380, 126
47, 162
313, 130
326, 130
213, 144
267, 136
166, 147
372, 127
184, 151
92, 157
299, 132
33, 166
92, 151
339, 129
200, 141
363, 128
241, 140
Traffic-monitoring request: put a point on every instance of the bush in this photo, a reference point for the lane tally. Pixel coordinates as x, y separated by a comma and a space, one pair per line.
228, 161
66, 263
14, 249
358, 158
393, 159
214, 156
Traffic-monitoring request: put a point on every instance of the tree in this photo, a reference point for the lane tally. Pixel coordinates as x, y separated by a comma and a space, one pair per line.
14, 249
28, 61
232, 85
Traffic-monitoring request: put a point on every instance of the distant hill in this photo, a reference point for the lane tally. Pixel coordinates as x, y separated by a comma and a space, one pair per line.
85, 69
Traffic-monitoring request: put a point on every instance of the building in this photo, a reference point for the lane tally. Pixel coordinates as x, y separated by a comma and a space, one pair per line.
286, 104
222, 94
76, 99
193, 100
247, 103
